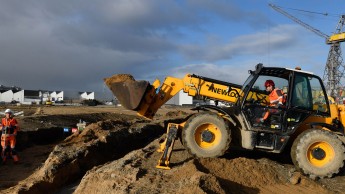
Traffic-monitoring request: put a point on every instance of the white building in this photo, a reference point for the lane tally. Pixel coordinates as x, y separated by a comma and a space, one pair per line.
87, 95
77, 96
18, 96
6, 96
9, 94
51, 95
181, 98
59, 96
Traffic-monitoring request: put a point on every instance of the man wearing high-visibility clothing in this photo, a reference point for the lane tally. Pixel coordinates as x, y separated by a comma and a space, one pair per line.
9, 128
276, 97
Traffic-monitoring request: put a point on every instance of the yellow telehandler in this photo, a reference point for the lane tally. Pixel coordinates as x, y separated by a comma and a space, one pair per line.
307, 122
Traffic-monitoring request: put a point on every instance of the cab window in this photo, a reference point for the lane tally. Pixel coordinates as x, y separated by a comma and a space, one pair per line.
308, 94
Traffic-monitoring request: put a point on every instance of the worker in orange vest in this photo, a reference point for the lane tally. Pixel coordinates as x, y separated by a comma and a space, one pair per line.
277, 98
10, 127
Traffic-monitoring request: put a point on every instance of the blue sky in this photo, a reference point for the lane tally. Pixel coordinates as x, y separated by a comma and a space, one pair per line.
73, 45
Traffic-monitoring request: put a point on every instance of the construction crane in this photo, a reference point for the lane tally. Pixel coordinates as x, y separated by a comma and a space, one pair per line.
335, 68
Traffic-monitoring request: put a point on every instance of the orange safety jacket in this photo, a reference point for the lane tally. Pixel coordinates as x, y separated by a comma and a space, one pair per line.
9, 126
276, 97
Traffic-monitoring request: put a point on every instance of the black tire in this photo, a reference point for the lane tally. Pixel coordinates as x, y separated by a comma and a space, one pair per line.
318, 153
217, 136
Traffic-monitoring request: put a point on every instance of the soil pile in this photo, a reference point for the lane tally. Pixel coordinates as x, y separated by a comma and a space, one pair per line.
135, 173
97, 144
118, 78
128, 91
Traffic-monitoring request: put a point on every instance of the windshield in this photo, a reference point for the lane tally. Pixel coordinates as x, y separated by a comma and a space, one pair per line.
258, 92
246, 86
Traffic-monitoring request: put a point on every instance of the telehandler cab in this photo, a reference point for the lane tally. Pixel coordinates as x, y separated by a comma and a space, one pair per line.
312, 125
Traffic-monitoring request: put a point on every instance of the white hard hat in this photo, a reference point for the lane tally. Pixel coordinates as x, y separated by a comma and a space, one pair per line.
8, 111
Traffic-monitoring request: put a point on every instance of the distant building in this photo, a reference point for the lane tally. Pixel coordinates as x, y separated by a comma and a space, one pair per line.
78, 96
58, 96
8, 94
87, 95
51, 95
181, 98
18, 96
11, 94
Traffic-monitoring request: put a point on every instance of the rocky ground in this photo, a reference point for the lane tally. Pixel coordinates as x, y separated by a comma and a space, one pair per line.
116, 153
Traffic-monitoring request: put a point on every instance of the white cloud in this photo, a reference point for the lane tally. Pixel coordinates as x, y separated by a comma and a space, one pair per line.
235, 73
278, 38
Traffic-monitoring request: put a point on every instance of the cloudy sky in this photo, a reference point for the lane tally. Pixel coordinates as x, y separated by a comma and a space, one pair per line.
74, 44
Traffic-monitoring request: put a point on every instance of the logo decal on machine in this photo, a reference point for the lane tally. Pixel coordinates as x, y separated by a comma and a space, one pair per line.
228, 92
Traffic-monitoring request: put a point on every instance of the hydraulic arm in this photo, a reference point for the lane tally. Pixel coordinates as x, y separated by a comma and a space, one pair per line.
152, 97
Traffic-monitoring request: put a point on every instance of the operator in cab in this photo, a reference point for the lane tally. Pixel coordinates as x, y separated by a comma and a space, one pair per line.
276, 96
9, 128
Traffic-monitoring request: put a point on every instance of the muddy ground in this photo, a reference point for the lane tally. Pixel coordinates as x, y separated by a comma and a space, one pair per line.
116, 153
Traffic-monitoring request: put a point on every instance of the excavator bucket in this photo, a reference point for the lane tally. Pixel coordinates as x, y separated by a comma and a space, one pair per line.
128, 91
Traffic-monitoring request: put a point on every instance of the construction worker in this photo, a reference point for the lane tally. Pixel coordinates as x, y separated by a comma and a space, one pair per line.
277, 98
10, 127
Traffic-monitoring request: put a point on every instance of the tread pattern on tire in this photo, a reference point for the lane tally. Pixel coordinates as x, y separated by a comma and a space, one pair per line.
197, 120
300, 146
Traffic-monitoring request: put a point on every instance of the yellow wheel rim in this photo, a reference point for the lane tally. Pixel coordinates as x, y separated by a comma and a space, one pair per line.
320, 154
207, 135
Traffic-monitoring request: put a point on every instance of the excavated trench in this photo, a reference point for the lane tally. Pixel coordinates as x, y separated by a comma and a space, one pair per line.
70, 158
33, 148
41, 136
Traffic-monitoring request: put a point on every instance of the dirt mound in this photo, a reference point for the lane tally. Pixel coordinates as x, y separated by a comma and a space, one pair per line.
118, 78
248, 172
135, 173
97, 144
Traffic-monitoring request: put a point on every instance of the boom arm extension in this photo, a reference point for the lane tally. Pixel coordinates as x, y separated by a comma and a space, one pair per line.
146, 99
193, 85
